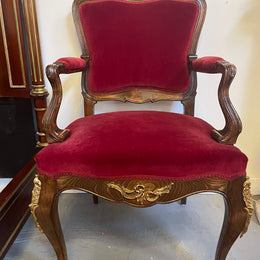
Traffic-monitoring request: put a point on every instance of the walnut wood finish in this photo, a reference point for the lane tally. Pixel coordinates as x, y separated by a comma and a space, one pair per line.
53, 133
47, 215
235, 219
233, 127
142, 193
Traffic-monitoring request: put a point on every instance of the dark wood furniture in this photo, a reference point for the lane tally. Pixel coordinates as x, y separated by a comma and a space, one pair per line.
14, 209
142, 192
21, 82
22, 75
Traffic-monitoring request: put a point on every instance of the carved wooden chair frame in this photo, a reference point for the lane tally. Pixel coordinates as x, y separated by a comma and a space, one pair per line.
143, 193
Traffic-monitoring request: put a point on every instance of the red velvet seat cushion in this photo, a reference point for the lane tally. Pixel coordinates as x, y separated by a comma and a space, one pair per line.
138, 43
141, 145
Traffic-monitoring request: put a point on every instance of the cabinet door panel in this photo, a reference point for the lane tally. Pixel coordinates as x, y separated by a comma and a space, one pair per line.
13, 74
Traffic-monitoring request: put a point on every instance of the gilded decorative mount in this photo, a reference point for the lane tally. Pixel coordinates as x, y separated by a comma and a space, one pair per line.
35, 200
141, 192
39, 90
249, 204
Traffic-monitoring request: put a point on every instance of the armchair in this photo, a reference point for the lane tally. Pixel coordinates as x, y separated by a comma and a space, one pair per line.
141, 51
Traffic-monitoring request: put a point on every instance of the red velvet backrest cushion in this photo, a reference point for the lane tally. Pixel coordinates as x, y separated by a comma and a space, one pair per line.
138, 44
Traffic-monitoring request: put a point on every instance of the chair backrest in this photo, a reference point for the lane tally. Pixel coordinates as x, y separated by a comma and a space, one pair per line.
136, 46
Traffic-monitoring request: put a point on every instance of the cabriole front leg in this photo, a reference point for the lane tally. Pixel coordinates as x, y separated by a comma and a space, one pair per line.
44, 208
238, 211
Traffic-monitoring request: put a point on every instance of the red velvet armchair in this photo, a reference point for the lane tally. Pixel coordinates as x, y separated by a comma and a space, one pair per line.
141, 51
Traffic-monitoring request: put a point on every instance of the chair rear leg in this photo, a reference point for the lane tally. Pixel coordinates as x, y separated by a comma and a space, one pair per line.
95, 199
183, 201
238, 210
44, 208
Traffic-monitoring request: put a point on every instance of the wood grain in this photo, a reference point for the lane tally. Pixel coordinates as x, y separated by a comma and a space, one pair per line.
233, 126
236, 212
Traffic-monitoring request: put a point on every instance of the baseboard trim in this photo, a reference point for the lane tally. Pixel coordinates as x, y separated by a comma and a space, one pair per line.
14, 201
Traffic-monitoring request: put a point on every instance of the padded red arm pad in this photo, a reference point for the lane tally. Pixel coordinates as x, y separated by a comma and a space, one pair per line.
206, 64
73, 64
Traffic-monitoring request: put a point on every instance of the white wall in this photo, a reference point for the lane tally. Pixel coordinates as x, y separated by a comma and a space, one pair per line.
230, 31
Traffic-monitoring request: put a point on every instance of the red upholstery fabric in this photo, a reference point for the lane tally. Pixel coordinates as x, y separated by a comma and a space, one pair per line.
73, 64
141, 145
206, 64
138, 43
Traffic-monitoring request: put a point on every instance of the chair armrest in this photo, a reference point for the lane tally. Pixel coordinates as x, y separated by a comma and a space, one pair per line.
233, 126
206, 64
72, 65
53, 71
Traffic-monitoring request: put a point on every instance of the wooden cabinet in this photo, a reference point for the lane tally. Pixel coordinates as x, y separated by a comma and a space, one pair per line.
22, 105
22, 89
21, 74
14, 80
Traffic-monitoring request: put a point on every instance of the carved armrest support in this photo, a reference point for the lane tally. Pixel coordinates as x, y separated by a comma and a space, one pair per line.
62, 66
233, 125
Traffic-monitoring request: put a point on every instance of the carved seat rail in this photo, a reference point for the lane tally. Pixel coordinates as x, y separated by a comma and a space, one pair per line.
143, 193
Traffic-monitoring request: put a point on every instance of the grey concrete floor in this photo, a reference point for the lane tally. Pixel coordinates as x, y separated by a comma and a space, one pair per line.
111, 231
